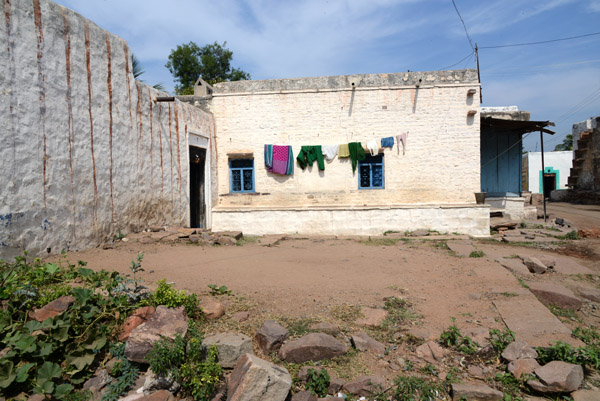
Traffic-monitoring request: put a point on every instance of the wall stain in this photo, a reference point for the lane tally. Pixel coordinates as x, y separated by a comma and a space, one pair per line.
171, 152
71, 132
89, 82
110, 126
37, 17
12, 74
151, 142
126, 53
162, 172
178, 149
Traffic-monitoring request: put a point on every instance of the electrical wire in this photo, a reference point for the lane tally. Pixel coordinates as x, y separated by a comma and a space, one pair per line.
458, 62
536, 43
463, 23
579, 106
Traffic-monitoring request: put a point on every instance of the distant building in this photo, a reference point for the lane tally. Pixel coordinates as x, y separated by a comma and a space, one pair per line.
557, 167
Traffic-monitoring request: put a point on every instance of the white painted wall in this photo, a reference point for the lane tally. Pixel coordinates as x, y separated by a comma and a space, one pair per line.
82, 161
561, 161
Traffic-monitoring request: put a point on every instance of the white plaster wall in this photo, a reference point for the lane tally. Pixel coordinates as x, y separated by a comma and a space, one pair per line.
440, 166
82, 161
464, 219
513, 206
562, 161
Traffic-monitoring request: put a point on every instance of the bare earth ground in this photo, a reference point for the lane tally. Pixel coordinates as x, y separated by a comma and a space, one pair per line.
302, 280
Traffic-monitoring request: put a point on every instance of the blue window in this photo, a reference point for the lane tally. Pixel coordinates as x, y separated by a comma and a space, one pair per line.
370, 173
241, 175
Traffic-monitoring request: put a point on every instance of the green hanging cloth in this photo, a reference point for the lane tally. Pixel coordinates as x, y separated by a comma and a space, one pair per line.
357, 153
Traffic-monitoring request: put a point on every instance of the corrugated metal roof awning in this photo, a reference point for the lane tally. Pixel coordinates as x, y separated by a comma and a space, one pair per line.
515, 126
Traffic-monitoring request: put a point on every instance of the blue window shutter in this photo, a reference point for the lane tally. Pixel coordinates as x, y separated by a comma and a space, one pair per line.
371, 173
241, 175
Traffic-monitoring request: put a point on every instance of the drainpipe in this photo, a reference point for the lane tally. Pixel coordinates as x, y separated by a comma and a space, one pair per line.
543, 170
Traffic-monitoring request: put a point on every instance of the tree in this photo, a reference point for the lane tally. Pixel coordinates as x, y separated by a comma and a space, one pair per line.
211, 62
567, 144
138, 71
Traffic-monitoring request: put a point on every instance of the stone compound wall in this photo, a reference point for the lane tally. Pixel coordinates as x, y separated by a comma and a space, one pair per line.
440, 165
589, 169
85, 151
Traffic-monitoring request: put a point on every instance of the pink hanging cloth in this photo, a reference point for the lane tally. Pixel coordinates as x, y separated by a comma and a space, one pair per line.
402, 138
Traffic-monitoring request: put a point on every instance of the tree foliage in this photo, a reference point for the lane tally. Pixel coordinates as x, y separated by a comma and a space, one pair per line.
212, 62
567, 143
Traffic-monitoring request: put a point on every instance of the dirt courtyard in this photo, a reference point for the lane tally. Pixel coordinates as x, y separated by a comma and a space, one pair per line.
301, 277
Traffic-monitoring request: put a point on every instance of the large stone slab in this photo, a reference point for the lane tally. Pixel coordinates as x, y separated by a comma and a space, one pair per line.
520, 367
431, 352
552, 294
586, 395
461, 248
139, 316
372, 317
165, 322
475, 392
532, 322
230, 346
516, 266
363, 342
570, 266
255, 379
589, 293
557, 377
312, 347
535, 265
519, 349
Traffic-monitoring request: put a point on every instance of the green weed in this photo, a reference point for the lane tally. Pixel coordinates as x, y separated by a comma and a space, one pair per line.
219, 290
412, 388
476, 254
317, 382
346, 313
500, 339
168, 296
564, 313
452, 337
378, 241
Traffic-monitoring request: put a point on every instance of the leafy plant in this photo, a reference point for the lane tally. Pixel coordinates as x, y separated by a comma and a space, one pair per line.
412, 388
399, 311
168, 296
429, 369
511, 386
477, 254
318, 382
133, 287
588, 335
125, 373
219, 290
587, 355
452, 337
500, 339
188, 363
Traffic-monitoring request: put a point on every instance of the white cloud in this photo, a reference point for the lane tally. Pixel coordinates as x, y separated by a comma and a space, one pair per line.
594, 6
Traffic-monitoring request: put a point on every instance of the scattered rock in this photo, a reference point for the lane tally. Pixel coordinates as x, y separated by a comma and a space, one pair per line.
515, 266
312, 347
241, 316
37, 397
520, 367
155, 382
363, 385
496, 225
231, 347
585, 395
271, 336
165, 322
423, 333
234, 234
534, 265
97, 383
547, 261
475, 392
139, 316
518, 350
362, 342
225, 240
592, 294
419, 233
212, 308
304, 396
303, 372
335, 385
481, 335
461, 248
430, 352
372, 317
160, 395
326, 327
52, 309
555, 294
557, 377
476, 371
256, 379
589, 233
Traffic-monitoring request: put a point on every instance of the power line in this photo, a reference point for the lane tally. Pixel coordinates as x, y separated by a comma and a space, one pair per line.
463, 22
458, 62
534, 43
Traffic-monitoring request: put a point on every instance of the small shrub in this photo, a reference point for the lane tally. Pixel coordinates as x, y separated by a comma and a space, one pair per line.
587, 355
412, 388
219, 290
500, 339
476, 254
452, 337
125, 374
317, 382
168, 296
588, 335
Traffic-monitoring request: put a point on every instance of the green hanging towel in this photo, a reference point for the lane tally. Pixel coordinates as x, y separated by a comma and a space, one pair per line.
357, 153
307, 156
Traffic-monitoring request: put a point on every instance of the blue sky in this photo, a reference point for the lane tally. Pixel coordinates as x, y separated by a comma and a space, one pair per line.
557, 81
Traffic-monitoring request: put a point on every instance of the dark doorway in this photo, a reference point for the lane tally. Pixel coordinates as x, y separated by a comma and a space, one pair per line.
197, 189
549, 184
